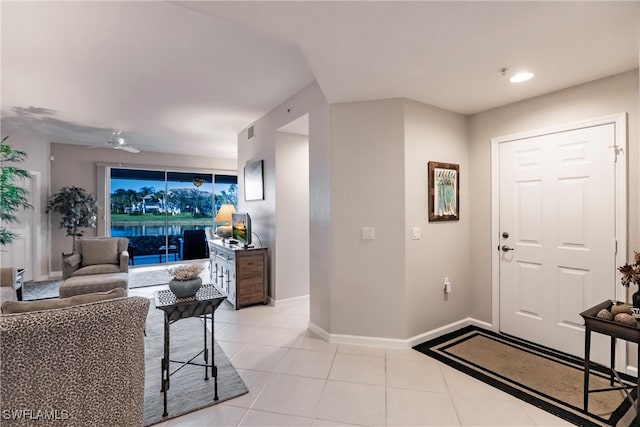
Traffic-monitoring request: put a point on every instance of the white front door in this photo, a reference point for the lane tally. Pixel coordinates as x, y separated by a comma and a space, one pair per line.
557, 235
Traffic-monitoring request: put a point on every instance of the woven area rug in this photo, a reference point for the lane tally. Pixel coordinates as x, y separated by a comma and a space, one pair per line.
188, 390
547, 379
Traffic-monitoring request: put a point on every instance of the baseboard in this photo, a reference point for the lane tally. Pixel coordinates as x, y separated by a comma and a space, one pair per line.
288, 301
396, 343
632, 370
55, 275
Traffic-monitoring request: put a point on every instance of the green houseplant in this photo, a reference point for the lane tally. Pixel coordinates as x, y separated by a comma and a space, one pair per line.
77, 208
12, 196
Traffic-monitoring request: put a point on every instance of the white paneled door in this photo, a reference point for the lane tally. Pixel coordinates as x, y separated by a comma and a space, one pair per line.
557, 234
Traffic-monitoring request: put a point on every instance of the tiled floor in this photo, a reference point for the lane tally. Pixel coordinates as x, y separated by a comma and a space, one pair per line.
297, 379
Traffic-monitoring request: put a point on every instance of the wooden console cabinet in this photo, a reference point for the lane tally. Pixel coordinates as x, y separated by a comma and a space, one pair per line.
241, 273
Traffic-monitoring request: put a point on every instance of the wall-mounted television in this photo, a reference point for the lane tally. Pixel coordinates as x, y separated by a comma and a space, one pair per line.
241, 228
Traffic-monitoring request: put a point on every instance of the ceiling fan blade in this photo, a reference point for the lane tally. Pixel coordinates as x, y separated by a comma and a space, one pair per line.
129, 148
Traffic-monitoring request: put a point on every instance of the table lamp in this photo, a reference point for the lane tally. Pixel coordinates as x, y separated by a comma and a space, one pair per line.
224, 216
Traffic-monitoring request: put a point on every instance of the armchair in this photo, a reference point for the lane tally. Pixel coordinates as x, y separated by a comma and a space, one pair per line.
97, 264
97, 255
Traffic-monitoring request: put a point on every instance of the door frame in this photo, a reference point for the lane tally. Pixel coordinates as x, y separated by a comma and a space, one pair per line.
621, 140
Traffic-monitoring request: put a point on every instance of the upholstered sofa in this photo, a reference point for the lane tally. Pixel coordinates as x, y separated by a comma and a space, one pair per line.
97, 264
75, 361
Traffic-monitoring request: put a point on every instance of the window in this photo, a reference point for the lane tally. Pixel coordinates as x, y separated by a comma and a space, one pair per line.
158, 211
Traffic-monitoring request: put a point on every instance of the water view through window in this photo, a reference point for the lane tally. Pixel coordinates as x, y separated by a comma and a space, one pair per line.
164, 213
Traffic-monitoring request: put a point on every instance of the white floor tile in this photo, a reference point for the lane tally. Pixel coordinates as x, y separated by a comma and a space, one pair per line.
353, 403
268, 419
416, 374
315, 364
420, 408
218, 415
543, 418
286, 366
315, 343
255, 382
324, 423
291, 395
362, 350
358, 369
230, 348
486, 411
258, 357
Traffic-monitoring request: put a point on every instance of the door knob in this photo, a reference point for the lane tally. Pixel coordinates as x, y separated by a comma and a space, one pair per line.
506, 248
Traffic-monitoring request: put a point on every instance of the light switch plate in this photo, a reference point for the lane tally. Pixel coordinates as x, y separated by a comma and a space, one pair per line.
368, 233
417, 233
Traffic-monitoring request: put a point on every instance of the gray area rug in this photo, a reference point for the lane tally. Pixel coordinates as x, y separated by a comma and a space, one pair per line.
49, 288
188, 390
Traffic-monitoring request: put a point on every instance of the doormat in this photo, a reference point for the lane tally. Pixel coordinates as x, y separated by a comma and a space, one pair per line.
550, 380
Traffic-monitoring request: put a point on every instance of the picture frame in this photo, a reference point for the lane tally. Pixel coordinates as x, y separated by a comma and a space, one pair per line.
443, 191
253, 181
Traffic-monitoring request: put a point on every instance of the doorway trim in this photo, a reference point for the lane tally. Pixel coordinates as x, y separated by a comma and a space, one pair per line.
621, 140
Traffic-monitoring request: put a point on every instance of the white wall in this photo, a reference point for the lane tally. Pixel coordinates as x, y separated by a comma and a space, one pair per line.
616, 94
308, 101
291, 272
367, 190
433, 134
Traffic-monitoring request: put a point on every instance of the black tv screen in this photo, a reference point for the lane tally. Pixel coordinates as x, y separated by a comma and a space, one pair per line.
241, 228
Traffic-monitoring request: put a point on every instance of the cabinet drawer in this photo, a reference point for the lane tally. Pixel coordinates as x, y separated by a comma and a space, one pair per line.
251, 267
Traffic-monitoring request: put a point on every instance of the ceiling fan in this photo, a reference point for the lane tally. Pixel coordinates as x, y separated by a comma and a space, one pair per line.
117, 142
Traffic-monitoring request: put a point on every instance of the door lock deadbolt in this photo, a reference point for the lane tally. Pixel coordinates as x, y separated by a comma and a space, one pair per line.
505, 235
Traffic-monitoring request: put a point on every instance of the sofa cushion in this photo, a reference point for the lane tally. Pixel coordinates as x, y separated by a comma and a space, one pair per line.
96, 269
10, 307
99, 251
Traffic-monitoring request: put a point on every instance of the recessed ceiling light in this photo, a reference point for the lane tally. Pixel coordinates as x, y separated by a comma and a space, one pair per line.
521, 77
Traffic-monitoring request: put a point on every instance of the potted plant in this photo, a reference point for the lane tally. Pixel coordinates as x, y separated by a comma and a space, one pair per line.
78, 209
631, 274
185, 280
12, 196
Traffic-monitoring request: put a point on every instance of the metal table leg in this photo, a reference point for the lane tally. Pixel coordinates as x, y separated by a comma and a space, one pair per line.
214, 368
165, 364
206, 350
587, 349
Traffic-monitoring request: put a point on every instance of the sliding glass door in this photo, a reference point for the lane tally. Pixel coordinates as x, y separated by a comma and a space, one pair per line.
163, 213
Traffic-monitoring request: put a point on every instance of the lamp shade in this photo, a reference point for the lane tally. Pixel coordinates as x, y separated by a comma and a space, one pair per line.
224, 213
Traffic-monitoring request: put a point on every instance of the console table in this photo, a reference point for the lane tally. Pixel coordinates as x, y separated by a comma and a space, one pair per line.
240, 272
203, 305
615, 330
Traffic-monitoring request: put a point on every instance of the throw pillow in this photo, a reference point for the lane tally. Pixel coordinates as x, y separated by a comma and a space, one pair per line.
10, 307
99, 251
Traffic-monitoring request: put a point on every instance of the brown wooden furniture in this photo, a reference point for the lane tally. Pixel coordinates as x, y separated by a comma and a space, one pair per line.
614, 330
241, 273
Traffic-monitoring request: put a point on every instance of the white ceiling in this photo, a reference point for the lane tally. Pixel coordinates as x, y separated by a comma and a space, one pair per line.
186, 77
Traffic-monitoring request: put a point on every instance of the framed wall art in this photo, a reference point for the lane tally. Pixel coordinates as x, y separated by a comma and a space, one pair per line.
253, 181
444, 191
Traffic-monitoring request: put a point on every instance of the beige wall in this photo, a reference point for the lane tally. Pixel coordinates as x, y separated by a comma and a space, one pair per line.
367, 181
77, 165
292, 220
310, 101
432, 134
616, 94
